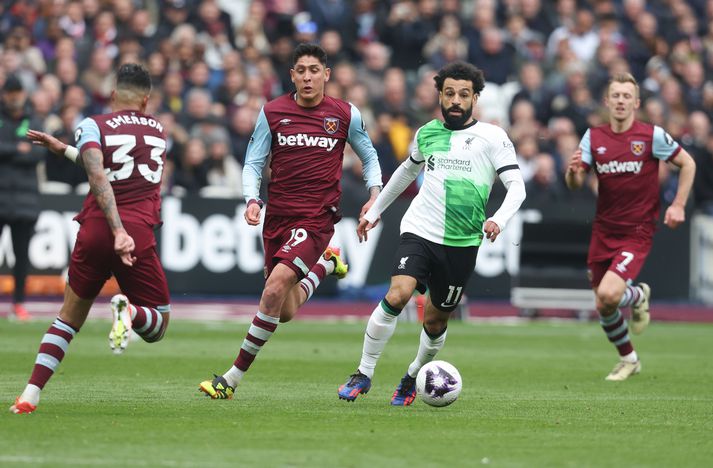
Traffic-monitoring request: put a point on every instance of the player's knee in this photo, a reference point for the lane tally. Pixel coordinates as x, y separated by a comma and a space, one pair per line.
398, 297
607, 298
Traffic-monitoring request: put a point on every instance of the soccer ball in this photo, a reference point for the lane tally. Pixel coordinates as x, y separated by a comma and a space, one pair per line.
438, 383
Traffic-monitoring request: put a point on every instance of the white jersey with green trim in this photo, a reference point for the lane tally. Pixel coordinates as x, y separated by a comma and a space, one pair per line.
460, 168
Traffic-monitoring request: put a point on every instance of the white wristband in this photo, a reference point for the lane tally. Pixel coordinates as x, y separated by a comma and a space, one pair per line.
71, 153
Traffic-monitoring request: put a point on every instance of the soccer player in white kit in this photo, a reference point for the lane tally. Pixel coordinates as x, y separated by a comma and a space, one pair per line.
445, 224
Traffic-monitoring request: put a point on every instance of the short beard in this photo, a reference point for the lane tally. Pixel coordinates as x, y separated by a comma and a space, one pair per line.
453, 121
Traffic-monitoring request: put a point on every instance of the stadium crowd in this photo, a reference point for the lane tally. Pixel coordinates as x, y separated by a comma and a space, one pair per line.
214, 64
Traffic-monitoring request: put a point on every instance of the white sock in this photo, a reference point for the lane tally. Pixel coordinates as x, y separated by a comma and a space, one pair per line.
31, 394
427, 349
631, 357
378, 331
327, 264
233, 376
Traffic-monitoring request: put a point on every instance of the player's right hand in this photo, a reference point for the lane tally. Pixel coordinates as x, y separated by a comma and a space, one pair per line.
575, 162
252, 214
124, 247
46, 140
364, 227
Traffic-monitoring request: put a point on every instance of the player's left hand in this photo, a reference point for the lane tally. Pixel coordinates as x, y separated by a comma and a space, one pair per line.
364, 227
124, 247
46, 140
491, 230
675, 216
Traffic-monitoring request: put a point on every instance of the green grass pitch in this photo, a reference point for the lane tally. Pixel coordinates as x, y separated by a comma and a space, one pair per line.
533, 395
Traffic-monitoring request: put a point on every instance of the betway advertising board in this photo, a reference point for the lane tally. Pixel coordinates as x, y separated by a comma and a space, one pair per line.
207, 248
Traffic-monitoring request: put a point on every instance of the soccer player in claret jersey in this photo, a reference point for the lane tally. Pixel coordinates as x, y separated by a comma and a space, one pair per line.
305, 132
123, 153
625, 156
444, 226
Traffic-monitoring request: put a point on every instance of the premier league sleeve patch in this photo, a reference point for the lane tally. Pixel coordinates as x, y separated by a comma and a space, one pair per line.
331, 125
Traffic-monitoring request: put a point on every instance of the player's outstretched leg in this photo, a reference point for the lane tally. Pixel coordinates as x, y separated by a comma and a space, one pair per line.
640, 316
53, 346
356, 384
223, 387
405, 392
121, 325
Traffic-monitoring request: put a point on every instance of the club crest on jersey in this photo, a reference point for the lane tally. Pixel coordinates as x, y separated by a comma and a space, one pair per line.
638, 147
331, 125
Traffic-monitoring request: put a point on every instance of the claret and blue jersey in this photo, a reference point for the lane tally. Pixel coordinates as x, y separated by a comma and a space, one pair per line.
134, 149
627, 166
307, 148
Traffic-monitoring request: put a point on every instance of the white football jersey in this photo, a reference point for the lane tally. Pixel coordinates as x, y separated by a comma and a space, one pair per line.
460, 168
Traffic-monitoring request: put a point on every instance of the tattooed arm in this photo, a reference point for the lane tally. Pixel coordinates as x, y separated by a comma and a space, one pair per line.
93, 162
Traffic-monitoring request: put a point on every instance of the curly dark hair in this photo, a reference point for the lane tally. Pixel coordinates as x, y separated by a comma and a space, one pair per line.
461, 71
133, 75
311, 50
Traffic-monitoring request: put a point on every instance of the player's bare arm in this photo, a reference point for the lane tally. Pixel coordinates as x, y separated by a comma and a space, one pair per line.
676, 213
55, 146
104, 194
575, 175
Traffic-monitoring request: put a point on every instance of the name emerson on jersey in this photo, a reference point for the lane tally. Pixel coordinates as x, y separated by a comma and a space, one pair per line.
119, 120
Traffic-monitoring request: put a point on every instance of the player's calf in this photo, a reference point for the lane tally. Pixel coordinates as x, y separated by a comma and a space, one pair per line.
149, 323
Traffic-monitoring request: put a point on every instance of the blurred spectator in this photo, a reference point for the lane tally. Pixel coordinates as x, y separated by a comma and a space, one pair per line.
579, 34
42, 106
331, 42
533, 91
335, 15
99, 78
644, 43
536, 17
191, 172
408, 27
447, 45
526, 150
62, 169
241, 129
224, 175
495, 57
31, 57
372, 70
545, 184
19, 196
395, 100
197, 110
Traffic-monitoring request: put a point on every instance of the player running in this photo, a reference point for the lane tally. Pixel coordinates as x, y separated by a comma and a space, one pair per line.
444, 226
123, 153
305, 132
625, 156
